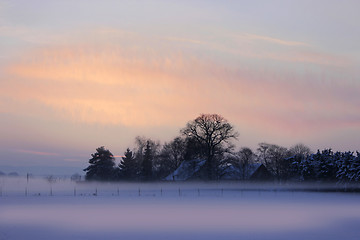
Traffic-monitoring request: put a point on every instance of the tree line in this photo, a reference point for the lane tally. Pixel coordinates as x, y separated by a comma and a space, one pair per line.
210, 137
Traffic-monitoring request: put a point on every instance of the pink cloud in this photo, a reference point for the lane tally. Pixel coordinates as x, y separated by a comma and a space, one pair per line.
36, 152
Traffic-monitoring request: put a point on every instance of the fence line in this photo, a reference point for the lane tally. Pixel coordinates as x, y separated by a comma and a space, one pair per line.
137, 192
38, 187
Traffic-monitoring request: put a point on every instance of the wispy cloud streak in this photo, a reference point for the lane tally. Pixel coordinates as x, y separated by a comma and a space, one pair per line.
186, 40
274, 40
34, 152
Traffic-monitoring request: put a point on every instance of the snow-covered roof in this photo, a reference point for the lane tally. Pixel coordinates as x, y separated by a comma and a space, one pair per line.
189, 168
240, 173
186, 170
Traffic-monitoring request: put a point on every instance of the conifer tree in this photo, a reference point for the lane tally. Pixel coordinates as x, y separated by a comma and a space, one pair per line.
147, 163
101, 165
128, 166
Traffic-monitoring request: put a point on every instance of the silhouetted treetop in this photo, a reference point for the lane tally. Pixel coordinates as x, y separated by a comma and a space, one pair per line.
128, 166
101, 165
211, 131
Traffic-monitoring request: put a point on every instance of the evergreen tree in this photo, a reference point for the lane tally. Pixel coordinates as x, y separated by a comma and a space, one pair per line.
101, 165
140, 146
348, 167
307, 168
326, 168
355, 168
128, 166
146, 171
343, 161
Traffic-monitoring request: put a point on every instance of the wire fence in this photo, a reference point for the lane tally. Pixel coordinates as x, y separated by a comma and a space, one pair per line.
81, 189
139, 192
66, 187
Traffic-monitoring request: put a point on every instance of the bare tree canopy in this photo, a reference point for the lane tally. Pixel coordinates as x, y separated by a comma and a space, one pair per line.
300, 150
243, 159
212, 131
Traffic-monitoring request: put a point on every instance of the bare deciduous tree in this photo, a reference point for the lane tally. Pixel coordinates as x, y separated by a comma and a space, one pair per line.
214, 133
274, 158
245, 157
300, 150
174, 153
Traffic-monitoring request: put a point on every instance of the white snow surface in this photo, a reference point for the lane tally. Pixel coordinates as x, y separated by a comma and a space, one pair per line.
69, 210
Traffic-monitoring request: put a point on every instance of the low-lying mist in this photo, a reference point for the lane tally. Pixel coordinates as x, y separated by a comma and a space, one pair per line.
50, 186
39, 208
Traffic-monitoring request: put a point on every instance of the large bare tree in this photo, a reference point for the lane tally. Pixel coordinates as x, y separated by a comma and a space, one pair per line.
214, 133
274, 158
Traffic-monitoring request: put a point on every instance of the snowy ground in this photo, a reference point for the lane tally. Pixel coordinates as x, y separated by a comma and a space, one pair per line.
66, 210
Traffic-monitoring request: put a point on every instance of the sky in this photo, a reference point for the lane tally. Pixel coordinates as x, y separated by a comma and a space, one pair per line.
76, 75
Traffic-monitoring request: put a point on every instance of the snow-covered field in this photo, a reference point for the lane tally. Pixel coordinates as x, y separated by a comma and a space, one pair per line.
67, 210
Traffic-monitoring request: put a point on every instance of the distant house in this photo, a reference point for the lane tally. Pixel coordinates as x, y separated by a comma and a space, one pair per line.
188, 170
251, 172
13, 174
195, 170
261, 174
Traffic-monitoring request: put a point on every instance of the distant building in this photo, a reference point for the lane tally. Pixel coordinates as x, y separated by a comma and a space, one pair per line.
195, 170
261, 174
251, 172
188, 170
13, 174
231, 172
